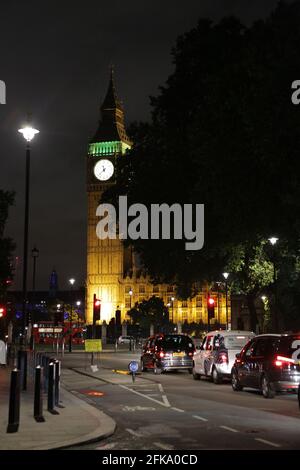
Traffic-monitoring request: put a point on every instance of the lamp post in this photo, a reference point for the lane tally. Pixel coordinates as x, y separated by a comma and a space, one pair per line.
225, 275
273, 241
172, 303
72, 282
28, 133
130, 293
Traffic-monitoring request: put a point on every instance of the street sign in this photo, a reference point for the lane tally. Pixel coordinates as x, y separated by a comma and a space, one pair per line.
133, 366
93, 345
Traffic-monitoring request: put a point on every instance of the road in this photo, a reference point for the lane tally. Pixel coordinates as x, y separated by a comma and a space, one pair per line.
174, 412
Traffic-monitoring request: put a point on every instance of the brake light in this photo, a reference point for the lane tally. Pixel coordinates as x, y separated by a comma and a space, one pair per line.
191, 353
280, 361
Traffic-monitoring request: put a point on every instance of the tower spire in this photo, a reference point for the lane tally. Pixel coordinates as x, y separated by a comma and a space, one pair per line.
111, 125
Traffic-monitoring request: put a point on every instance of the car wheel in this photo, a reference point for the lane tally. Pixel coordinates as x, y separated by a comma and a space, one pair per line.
236, 385
195, 375
267, 388
157, 370
217, 379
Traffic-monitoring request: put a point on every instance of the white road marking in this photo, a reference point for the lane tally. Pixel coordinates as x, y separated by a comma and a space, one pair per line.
160, 388
177, 409
200, 418
229, 429
273, 444
165, 400
144, 396
160, 445
134, 433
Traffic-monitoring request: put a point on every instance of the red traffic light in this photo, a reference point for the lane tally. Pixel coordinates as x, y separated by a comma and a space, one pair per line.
97, 303
2, 312
211, 302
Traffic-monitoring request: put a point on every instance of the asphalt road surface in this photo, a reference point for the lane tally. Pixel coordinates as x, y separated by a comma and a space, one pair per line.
174, 412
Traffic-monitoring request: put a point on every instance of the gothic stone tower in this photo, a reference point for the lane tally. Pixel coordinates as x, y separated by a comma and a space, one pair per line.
105, 265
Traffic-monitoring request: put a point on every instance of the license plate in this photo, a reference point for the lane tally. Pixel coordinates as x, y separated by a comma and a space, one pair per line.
178, 354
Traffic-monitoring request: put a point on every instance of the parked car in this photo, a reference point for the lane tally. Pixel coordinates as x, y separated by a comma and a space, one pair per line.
165, 352
216, 355
125, 339
270, 363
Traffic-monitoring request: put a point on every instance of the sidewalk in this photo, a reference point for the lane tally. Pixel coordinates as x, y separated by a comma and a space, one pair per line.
77, 423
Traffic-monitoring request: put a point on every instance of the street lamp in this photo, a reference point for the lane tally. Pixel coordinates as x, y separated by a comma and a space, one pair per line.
273, 241
72, 282
28, 133
130, 293
225, 275
172, 302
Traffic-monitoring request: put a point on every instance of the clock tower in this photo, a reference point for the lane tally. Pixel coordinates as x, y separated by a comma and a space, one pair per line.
105, 258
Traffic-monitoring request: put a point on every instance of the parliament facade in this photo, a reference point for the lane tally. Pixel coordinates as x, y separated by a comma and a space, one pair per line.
113, 274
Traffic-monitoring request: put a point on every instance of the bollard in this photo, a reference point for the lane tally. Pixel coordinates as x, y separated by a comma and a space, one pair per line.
22, 366
57, 383
14, 402
38, 395
51, 389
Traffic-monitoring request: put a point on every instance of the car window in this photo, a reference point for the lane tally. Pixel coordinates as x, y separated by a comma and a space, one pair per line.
261, 347
175, 341
236, 341
248, 351
209, 342
289, 346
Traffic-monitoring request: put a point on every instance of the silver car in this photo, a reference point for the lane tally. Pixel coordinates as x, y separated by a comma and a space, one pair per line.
216, 355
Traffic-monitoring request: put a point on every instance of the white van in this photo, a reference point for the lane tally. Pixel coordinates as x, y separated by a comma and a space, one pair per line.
216, 355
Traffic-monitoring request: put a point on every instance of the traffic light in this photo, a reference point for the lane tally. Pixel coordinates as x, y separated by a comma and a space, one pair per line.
96, 309
2, 311
118, 317
211, 307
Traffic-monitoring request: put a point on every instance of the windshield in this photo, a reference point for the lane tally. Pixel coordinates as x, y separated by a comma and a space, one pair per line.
176, 341
236, 342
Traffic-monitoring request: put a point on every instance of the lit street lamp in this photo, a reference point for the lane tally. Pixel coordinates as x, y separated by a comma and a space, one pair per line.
172, 303
72, 282
130, 293
28, 133
225, 275
273, 241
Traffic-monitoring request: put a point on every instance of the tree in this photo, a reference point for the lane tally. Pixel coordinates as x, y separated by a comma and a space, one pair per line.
6, 244
150, 312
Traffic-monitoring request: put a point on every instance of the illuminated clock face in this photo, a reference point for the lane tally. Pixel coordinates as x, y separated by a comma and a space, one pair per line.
103, 170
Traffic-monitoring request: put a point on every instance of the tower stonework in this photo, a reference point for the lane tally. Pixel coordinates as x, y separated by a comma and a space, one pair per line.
113, 271
104, 257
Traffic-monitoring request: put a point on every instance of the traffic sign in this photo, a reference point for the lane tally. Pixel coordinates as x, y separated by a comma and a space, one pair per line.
93, 345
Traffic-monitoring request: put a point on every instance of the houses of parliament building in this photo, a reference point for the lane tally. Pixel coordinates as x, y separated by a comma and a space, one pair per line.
113, 274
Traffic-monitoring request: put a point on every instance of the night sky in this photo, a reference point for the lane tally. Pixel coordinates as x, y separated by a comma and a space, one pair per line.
55, 58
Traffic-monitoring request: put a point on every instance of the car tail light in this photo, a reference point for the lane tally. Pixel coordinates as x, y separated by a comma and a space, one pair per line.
223, 358
280, 361
190, 353
161, 354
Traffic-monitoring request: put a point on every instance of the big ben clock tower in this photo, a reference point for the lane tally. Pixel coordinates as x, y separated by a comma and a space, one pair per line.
104, 257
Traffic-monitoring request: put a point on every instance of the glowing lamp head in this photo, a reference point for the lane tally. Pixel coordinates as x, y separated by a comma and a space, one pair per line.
72, 281
28, 133
225, 275
130, 292
273, 240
